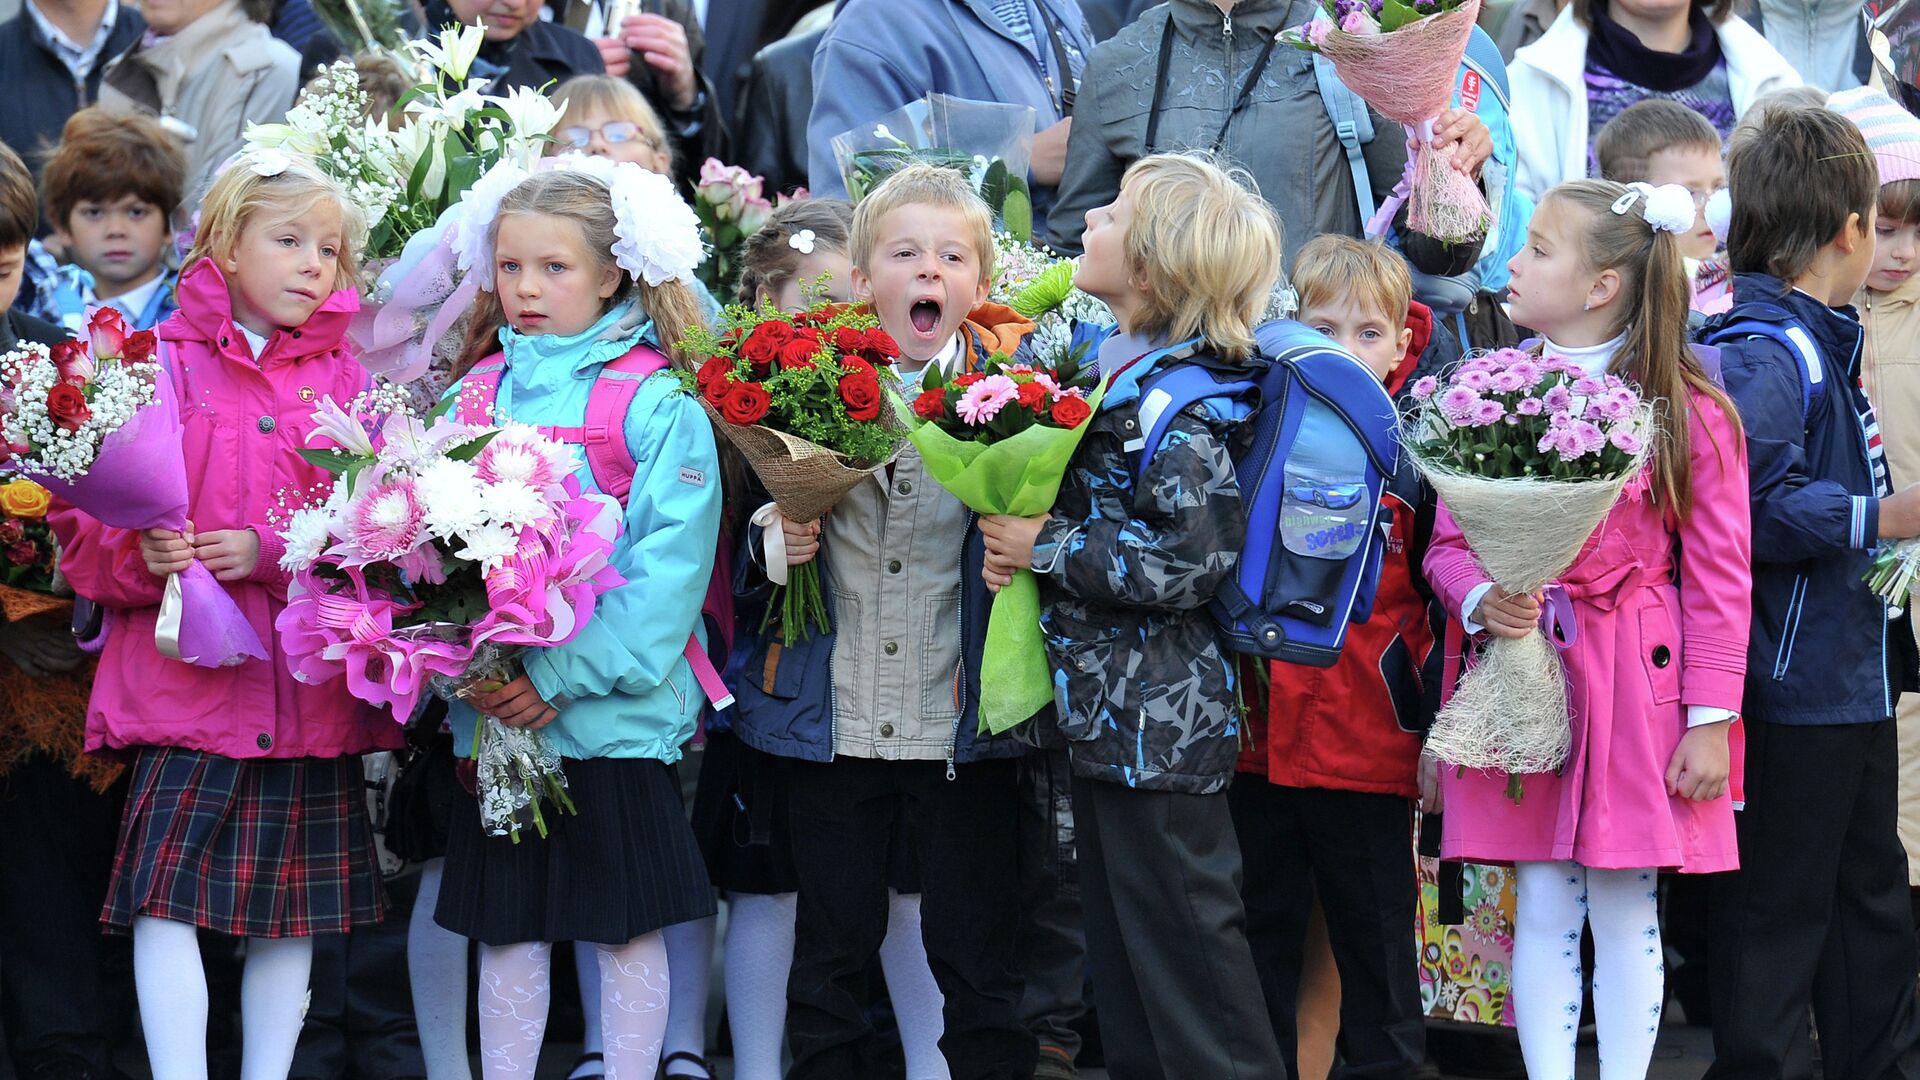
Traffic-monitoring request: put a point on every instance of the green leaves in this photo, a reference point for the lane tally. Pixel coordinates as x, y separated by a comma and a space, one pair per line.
1394, 15
470, 449
336, 462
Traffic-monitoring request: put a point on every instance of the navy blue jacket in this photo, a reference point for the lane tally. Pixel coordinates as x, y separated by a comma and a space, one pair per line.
41, 92
785, 706
1822, 649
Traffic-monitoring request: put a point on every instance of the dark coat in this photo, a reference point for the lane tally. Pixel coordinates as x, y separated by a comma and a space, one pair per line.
41, 92
772, 124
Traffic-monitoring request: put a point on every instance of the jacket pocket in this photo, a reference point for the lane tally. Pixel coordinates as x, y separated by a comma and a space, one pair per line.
1082, 658
941, 649
1790, 628
1660, 651
1402, 679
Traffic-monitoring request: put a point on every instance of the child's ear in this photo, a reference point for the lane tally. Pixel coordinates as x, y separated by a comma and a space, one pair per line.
1605, 288
1406, 339
862, 286
980, 292
609, 281
1850, 234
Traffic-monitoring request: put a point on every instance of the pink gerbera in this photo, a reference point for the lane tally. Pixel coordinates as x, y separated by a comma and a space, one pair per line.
984, 399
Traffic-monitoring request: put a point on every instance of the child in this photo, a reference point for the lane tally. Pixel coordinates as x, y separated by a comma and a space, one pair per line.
1888, 362
619, 700
1338, 748
112, 187
876, 718
1660, 597
801, 241
1819, 909
1146, 697
1661, 141
606, 117
246, 813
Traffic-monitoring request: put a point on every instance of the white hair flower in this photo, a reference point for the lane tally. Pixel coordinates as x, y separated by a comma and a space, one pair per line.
802, 241
268, 162
1669, 208
659, 236
1720, 214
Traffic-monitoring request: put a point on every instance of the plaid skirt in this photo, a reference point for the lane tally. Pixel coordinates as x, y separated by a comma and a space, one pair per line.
252, 848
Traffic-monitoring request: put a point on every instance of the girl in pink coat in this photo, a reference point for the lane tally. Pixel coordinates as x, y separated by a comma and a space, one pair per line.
1659, 599
245, 812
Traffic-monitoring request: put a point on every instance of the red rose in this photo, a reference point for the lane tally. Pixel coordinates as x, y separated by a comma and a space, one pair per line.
777, 332
11, 530
881, 344
853, 365
139, 347
746, 404
1071, 412
67, 406
71, 359
930, 405
848, 340
798, 353
1034, 396
969, 379
861, 392
716, 392
716, 368
108, 328
23, 553
808, 332
761, 350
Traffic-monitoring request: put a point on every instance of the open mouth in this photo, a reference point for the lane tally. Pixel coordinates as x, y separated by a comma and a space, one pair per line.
925, 315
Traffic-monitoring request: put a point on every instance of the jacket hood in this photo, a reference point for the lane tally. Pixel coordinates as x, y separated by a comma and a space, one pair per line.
206, 315
1420, 321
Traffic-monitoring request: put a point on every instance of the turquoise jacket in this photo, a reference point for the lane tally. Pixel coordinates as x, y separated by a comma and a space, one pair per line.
622, 686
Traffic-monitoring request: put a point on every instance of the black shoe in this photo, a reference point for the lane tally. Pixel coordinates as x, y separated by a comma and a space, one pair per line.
683, 1057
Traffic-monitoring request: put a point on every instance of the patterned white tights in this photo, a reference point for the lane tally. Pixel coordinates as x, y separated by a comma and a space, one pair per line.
515, 985
1555, 900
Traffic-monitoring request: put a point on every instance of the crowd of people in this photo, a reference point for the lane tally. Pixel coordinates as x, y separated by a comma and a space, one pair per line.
1192, 863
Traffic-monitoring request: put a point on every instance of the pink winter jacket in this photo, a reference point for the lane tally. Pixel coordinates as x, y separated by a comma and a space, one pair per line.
243, 423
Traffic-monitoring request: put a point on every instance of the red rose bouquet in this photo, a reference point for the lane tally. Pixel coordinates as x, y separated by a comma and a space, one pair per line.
800, 397
28, 578
1000, 440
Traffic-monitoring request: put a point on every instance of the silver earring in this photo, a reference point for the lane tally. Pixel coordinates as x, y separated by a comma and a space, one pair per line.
1588, 306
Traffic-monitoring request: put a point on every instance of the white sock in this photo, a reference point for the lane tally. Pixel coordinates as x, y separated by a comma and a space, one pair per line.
273, 1004
586, 966
634, 998
917, 1001
759, 956
1629, 972
1547, 978
690, 959
516, 983
437, 968
172, 987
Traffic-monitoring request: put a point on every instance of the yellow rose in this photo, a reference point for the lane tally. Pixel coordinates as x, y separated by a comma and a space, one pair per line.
24, 499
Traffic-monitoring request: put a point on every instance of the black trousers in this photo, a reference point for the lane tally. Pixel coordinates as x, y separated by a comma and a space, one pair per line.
360, 1021
1355, 850
1173, 977
1818, 910
62, 985
845, 814
1053, 941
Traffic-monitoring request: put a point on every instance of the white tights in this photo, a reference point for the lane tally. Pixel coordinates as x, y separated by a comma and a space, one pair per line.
172, 986
1556, 899
515, 993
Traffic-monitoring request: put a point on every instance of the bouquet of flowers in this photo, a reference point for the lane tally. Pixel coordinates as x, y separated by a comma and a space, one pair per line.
1528, 454
991, 144
1401, 58
1000, 439
1892, 574
29, 578
731, 208
799, 396
436, 556
1038, 285
98, 425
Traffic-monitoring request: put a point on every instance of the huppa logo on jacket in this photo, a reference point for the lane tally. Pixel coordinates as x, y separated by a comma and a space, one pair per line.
1324, 450
610, 461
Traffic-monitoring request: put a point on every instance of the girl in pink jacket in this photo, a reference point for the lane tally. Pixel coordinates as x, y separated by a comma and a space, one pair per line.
1660, 602
245, 812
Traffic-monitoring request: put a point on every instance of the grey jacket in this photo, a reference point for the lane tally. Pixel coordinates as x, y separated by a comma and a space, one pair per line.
1283, 136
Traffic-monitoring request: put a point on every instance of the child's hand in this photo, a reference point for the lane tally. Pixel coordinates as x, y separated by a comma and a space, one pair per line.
516, 704
167, 552
1009, 543
1900, 514
1700, 764
803, 541
1507, 615
230, 553
1431, 800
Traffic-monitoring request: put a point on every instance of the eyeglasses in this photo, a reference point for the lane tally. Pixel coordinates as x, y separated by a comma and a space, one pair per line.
613, 132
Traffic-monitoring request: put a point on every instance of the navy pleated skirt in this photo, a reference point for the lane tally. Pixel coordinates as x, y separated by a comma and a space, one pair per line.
624, 866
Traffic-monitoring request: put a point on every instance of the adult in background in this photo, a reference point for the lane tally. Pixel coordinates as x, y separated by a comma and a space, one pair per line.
1600, 56
1824, 40
207, 70
53, 54
881, 54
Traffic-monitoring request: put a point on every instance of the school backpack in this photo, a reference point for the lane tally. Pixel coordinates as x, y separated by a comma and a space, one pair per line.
1324, 449
1758, 319
610, 461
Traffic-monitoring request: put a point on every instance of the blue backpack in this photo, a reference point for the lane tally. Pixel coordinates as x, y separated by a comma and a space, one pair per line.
1325, 447
1759, 319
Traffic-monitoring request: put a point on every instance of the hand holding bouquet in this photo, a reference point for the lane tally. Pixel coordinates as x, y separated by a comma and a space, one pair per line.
437, 555
799, 396
1895, 567
1528, 454
97, 423
1000, 439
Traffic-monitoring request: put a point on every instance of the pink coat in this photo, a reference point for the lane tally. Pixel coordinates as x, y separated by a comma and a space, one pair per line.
243, 423
1662, 611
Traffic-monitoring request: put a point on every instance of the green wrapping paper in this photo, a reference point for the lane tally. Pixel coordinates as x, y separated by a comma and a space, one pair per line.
1018, 476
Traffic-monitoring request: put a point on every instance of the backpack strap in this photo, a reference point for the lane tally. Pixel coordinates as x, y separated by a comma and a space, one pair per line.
1167, 393
1777, 325
604, 434
1353, 124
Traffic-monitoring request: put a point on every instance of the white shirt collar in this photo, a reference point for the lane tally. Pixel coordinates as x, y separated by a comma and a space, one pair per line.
255, 343
80, 59
1593, 359
944, 360
134, 301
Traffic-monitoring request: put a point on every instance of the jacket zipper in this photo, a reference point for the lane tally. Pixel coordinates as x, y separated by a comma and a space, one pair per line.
960, 621
1226, 64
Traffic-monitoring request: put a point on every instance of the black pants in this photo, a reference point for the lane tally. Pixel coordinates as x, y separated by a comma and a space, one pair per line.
360, 1021
1356, 851
844, 817
62, 985
1053, 941
1173, 977
1818, 910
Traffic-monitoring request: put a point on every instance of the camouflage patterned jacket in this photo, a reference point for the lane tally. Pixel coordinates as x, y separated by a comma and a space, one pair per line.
1144, 690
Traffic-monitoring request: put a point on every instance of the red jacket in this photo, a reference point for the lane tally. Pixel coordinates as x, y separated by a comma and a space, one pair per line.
1344, 727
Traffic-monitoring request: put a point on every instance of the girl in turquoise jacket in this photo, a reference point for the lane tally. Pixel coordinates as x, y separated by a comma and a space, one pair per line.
582, 292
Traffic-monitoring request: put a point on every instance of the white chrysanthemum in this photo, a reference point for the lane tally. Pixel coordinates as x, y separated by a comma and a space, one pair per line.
488, 545
516, 505
306, 538
455, 500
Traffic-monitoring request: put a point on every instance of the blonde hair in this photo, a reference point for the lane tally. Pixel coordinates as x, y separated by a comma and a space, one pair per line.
1653, 310
1332, 266
923, 185
768, 260
240, 192
584, 94
574, 196
1208, 246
